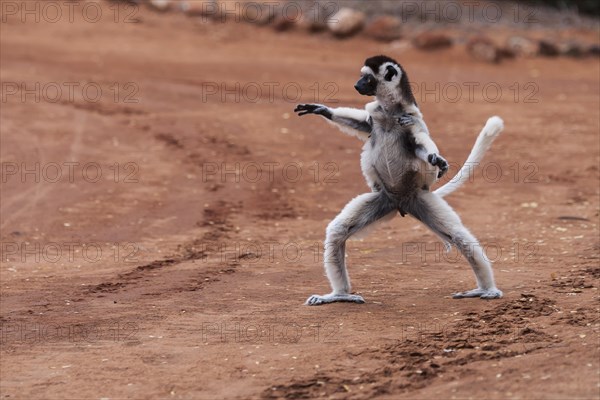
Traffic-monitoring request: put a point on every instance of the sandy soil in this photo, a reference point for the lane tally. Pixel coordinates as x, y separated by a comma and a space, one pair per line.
173, 276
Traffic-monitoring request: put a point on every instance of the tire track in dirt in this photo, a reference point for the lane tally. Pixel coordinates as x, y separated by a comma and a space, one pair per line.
217, 218
273, 192
42, 189
103, 109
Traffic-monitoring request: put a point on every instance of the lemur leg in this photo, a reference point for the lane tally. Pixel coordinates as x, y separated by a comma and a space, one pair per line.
438, 216
359, 213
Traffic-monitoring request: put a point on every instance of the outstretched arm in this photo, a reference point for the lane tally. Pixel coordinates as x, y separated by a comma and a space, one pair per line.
352, 121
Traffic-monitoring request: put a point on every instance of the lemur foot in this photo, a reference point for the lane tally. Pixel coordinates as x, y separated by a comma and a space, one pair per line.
481, 293
406, 120
319, 109
438, 161
316, 300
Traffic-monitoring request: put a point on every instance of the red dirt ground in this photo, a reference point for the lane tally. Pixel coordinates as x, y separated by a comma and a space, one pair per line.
198, 291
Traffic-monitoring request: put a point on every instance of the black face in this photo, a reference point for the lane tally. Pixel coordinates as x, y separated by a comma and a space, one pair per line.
367, 85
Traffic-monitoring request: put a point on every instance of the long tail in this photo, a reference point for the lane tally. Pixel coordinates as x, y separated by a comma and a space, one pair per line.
490, 131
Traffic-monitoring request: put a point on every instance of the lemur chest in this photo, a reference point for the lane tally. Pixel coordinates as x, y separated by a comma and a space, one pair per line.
388, 135
383, 122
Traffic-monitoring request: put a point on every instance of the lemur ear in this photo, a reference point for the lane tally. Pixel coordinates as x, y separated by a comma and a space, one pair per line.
390, 72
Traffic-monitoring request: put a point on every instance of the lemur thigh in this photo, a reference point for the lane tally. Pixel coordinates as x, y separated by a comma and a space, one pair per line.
438, 216
356, 215
359, 213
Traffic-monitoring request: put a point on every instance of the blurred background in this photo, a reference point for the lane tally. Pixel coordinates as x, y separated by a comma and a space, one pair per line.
162, 209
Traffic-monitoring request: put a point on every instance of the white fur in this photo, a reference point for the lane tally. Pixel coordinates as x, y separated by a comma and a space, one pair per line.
488, 134
340, 283
369, 229
349, 131
366, 70
350, 113
354, 113
370, 107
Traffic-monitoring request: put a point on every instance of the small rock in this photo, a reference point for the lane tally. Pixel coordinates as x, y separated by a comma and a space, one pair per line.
571, 49
432, 41
483, 49
594, 50
282, 23
314, 19
572, 218
385, 29
204, 8
346, 22
548, 49
504, 52
160, 5
259, 14
253, 12
521, 46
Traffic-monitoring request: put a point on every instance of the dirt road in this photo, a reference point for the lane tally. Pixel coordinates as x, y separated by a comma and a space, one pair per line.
163, 212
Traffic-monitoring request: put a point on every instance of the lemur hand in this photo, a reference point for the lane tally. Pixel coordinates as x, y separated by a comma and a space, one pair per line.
438, 161
406, 120
319, 109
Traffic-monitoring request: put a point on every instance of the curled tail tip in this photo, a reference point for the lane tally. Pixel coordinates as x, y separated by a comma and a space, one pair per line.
494, 126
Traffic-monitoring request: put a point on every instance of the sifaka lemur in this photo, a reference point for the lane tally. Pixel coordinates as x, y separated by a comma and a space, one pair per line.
400, 163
